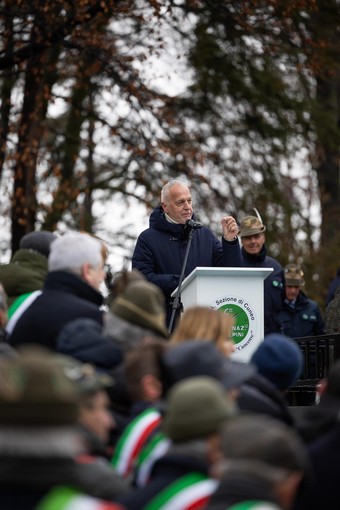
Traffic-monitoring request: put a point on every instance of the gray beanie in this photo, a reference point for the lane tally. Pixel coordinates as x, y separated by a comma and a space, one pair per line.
196, 407
38, 241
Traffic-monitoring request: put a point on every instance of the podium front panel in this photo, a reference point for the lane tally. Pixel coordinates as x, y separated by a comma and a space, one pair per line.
237, 291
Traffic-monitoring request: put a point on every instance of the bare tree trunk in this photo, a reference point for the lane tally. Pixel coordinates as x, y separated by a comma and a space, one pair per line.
39, 78
328, 171
5, 95
68, 152
87, 218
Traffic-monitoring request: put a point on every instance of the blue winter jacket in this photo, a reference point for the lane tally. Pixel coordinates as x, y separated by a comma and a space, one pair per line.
273, 288
160, 251
304, 319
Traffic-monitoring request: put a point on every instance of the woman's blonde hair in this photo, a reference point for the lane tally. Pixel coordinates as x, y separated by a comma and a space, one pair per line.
203, 323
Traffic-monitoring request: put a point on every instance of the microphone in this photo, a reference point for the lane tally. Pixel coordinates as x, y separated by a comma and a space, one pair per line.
193, 224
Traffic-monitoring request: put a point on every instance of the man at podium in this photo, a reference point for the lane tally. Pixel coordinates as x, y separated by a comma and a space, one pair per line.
160, 250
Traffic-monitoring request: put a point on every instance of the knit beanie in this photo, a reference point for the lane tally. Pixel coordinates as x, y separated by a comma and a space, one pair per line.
196, 407
38, 241
279, 359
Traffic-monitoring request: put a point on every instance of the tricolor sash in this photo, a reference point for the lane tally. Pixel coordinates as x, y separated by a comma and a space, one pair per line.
254, 505
190, 492
67, 498
133, 439
154, 450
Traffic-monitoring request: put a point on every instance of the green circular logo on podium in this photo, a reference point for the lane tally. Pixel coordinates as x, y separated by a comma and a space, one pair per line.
242, 311
241, 324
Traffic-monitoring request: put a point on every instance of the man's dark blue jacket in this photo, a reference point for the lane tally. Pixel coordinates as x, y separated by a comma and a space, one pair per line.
304, 319
273, 288
160, 251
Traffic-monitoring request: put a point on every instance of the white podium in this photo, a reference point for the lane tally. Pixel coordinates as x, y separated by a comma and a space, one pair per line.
234, 290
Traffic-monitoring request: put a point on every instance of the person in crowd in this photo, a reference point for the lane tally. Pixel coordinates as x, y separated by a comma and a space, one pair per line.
160, 249
139, 309
40, 439
25, 275
332, 287
300, 316
198, 357
320, 418
332, 315
324, 455
83, 339
5, 349
196, 409
204, 323
264, 465
279, 363
3, 313
136, 313
254, 253
27, 269
146, 388
151, 370
95, 417
71, 290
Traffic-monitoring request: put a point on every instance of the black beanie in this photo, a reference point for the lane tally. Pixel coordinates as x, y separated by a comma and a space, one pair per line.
38, 241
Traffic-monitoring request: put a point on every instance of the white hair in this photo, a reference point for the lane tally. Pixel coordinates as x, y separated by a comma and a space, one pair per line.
166, 188
72, 250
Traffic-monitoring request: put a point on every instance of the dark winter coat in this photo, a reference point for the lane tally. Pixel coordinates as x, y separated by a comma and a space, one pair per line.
25, 273
258, 395
273, 288
65, 297
235, 488
318, 419
83, 340
25, 481
160, 251
324, 455
302, 319
165, 471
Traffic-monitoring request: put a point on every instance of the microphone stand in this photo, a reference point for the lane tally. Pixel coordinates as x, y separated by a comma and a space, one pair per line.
177, 306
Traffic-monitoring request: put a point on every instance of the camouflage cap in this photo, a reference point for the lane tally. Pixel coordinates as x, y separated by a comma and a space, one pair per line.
294, 275
251, 225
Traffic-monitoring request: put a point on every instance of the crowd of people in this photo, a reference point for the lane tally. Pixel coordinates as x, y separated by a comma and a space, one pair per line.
102, 406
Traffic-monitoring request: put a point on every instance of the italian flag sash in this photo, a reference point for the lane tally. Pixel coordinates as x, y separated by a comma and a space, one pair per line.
155, 449
254, 505
18, 307
66, 498
133, 439
190, 492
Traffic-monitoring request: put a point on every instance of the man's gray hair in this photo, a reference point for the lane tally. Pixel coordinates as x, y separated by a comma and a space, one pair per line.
72, 250
166, 188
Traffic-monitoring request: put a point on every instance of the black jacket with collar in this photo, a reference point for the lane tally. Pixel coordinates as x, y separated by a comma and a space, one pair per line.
65, 297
